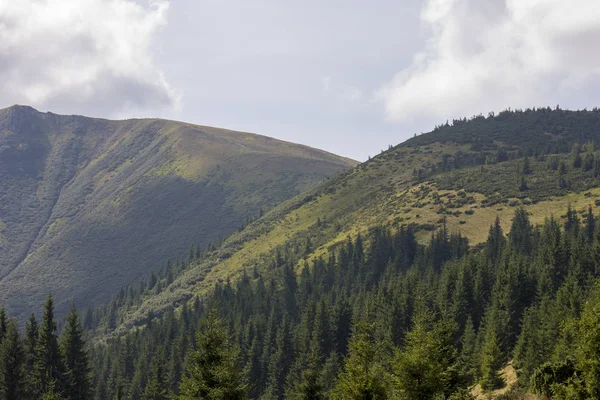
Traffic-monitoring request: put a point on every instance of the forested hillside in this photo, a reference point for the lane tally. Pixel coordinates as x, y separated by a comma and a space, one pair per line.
88, 205
387, 316
543, 160
462, 263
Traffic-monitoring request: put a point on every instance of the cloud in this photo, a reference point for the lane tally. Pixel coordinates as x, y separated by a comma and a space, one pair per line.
84, 56
325, 84
489, 55
352, 94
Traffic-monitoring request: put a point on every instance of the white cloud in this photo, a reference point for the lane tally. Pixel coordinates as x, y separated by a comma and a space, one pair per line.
85, 56
352, 94
325, 84
490, 55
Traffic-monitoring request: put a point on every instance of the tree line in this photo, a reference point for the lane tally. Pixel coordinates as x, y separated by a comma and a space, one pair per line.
383, 317
41, 364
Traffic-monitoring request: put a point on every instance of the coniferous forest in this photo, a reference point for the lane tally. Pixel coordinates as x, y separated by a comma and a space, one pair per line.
381, 317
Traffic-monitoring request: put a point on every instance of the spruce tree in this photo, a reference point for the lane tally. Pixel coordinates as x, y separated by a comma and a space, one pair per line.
48, 366
156, 389
12, 371
3, 323
363, 377
427, 367
77, 379
213, 371
588, 344
491, 362
308, 385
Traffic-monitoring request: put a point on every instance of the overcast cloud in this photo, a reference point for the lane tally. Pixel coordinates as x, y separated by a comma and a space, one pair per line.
347, 76
490, 55
62, 54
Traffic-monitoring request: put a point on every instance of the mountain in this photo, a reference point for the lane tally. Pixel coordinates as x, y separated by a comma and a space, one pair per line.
461, 175
463, 263
88, 205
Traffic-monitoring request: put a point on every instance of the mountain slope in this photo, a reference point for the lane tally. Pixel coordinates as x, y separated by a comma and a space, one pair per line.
462, 175
90, 204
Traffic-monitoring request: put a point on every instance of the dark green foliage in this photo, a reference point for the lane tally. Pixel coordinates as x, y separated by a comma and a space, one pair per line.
364, 376
77, 384
12, 368
213, 371
156, 389
36, 367
492, 360
428, 366
588, 345
452, 315
3, 324
49, 367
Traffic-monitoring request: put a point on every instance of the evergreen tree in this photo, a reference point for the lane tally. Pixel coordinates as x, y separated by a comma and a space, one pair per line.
491, 362
588, 345
3, 323
521, 231
48, 366
156, 389
363, 377
12, 371
468, 356
427, 367
77, 382
307, 386
213, 371
495, 241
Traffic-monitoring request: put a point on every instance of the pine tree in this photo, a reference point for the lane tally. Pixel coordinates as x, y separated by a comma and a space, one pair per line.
588, 344
77, 382
363, 377
48, 366
427, 367
495, 242
308, 385
521, 231
3, 323
526, 166
12, 371
491, 362
213, 371
468, 357
156, 389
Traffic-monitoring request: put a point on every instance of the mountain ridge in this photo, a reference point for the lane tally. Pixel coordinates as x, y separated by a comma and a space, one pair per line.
422, 183
85, 181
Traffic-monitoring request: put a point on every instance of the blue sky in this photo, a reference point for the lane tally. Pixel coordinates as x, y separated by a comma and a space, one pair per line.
350, 77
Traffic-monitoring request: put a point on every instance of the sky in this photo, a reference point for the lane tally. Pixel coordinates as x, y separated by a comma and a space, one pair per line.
350, 77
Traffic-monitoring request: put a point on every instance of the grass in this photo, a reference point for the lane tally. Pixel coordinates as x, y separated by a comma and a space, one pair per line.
90, 205
383, 191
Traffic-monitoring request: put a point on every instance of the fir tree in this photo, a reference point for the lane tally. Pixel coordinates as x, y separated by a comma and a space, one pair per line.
307, 386
588, 345
3, 323
48, 366
156, 389
363, 377
427, 367
491, 362
213, 371
77, 382
12, 371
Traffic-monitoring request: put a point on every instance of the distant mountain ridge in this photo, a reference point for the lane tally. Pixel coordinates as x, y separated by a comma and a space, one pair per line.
87, 205
461, 175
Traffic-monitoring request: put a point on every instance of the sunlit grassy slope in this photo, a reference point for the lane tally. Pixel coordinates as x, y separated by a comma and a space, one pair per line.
88, 205
463, 174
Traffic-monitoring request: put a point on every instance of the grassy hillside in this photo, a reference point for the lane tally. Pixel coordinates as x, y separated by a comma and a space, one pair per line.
88, 205
464, 175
